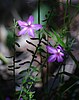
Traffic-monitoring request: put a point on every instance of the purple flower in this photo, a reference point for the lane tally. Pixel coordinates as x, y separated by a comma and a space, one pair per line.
21, 98
56, 54
28, 27
7, 98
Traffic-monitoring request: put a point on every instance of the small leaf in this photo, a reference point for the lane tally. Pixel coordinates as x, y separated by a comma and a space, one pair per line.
59, 39
17, 67
44, 43
24, 62
17, 44
11, 66
34, 38
41, 49
35, 69
23, 71
31, 43
10, 57
30, 51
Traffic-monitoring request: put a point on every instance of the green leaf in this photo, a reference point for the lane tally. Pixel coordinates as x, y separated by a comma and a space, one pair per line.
59, 39
35, 69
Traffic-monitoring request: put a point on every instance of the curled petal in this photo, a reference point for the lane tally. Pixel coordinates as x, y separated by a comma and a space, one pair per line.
59, 58
52, 58
59, 47
30, 20
62, 54
22, 23
51, 50
36, 26
23, 31
31, 32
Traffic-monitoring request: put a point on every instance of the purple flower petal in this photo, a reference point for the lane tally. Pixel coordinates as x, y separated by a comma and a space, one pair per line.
28, 27
52, 58
31, 32
59, 58
22, 23
7, 98
57, 53
21, 98
62, 54
59, 47
30, 20
36, 26
23, 31
51, 50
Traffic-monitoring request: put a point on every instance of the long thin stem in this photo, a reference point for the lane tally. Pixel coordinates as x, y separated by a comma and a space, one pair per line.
69, 87
54, 80
47, 70
39, 2
39, 12
30, 72
14, 61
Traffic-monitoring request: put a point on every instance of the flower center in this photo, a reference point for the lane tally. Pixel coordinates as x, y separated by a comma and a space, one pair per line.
58, 52
28, 26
